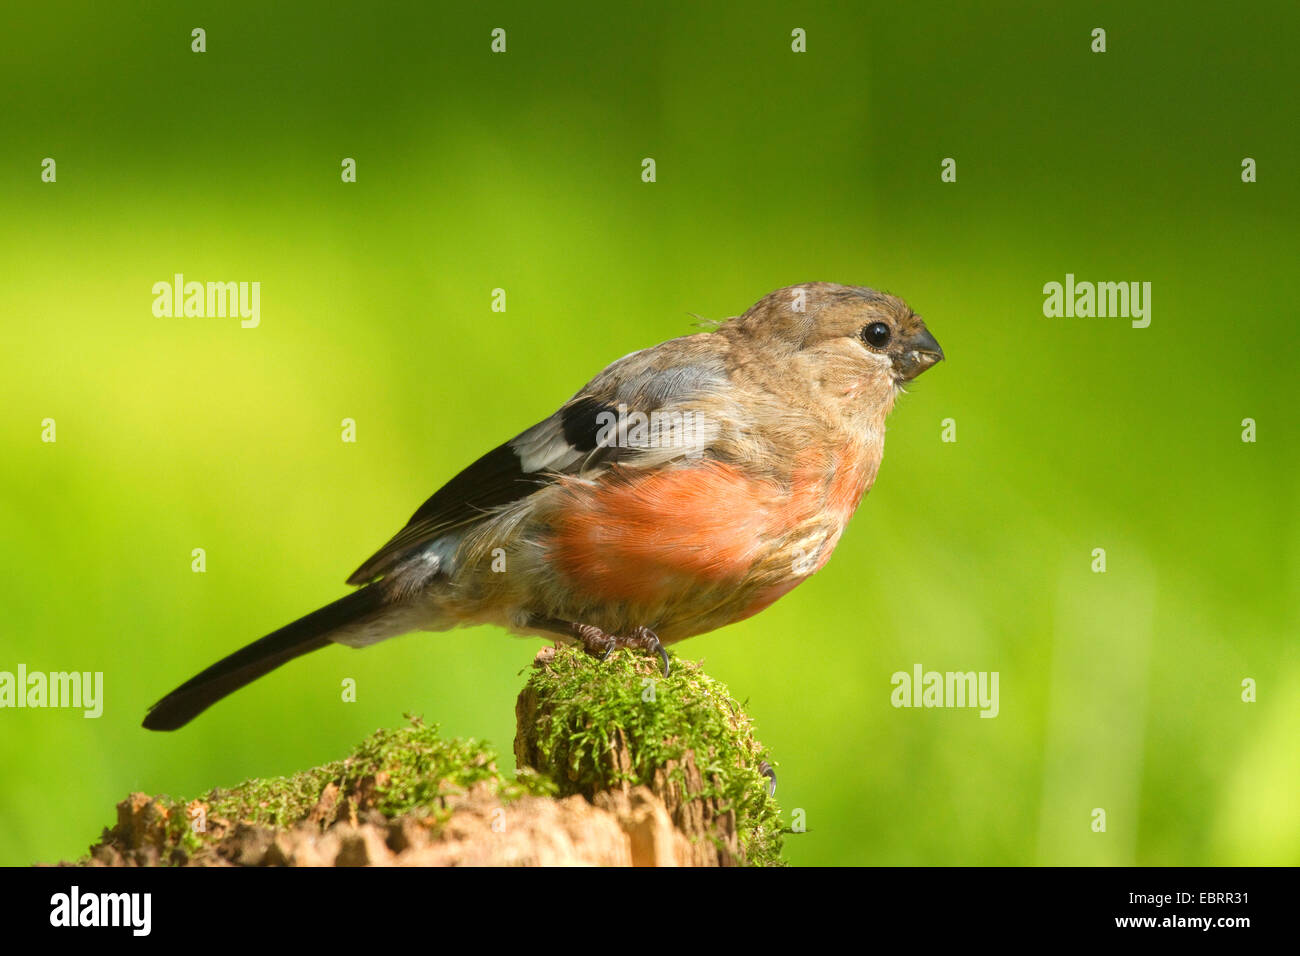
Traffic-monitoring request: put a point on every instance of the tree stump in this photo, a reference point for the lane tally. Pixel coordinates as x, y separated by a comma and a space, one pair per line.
619, 766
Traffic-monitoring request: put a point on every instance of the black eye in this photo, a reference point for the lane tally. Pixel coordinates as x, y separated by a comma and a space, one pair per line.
876, 335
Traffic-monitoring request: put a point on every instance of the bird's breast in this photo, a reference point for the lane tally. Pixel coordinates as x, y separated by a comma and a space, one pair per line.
711, 531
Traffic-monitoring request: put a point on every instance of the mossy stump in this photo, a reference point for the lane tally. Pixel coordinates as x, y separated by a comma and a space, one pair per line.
618, 766
604, 729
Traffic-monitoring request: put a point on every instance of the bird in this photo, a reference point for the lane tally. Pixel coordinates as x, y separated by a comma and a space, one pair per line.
686, 487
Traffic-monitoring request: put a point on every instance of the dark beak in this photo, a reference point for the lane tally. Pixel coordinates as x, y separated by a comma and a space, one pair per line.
920, 352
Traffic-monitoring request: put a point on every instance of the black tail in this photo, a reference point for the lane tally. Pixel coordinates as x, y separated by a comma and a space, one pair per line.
226, 676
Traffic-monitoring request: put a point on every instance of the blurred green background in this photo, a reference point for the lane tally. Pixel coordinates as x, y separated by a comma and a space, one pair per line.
522, 171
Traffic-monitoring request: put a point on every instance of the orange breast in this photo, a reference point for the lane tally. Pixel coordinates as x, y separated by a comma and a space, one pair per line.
647, 537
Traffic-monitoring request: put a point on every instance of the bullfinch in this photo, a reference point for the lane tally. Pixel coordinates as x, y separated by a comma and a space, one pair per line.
685, 487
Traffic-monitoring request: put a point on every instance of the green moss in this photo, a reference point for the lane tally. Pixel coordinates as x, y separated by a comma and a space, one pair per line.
422, 770
408, 771
596, 725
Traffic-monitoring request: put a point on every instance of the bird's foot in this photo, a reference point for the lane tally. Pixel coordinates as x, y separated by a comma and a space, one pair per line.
594, 641
768, 771
642, 638
597, 642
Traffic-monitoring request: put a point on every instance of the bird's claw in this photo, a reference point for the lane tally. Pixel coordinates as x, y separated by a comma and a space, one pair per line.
602, 645
645, 638
767, 770
663, 654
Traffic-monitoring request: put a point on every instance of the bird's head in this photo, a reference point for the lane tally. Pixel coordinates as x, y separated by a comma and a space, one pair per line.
849, 328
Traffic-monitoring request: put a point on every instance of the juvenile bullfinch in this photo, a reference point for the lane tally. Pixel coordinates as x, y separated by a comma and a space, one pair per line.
685, 487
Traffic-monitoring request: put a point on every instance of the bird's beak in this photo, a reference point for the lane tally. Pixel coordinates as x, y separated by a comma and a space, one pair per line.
922, 351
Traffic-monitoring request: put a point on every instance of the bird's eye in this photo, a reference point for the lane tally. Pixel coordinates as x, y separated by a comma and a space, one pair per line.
876, 335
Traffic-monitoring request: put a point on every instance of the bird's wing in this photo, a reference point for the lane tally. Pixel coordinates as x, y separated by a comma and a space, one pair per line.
576, 440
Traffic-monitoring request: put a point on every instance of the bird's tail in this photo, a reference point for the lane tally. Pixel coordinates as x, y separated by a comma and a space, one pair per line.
261, 657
